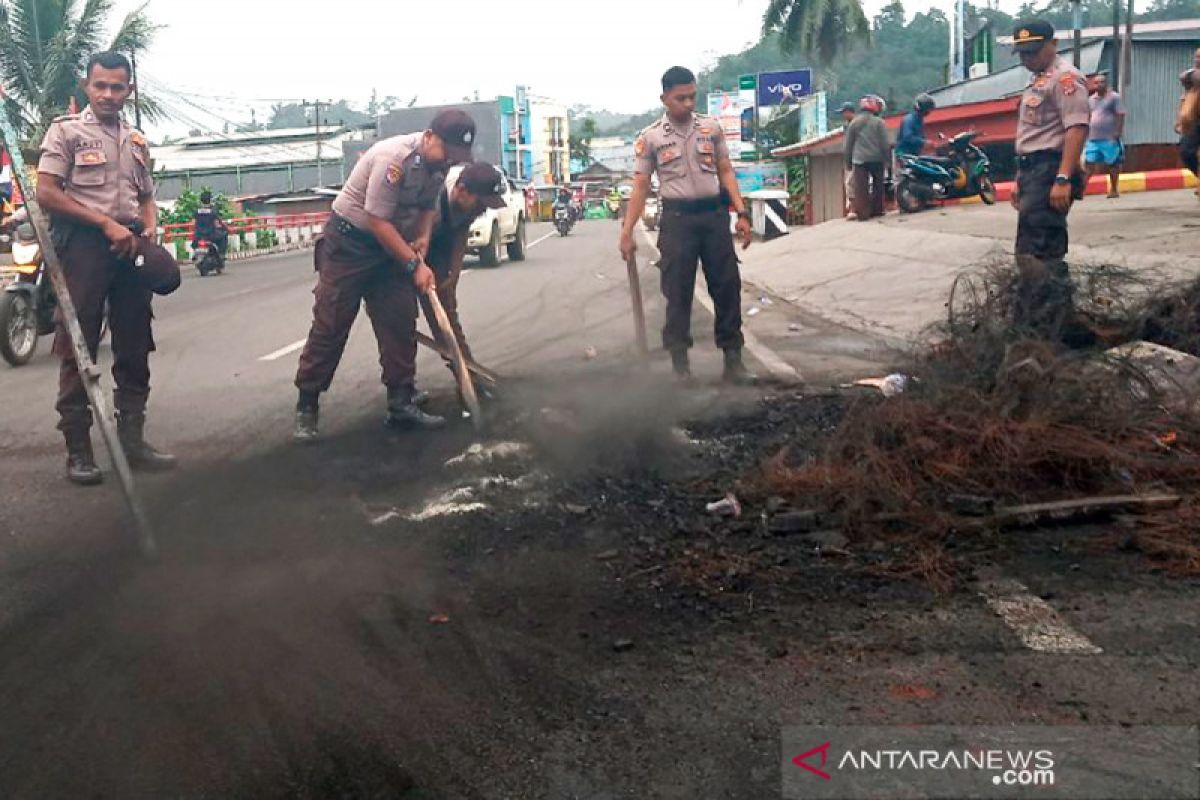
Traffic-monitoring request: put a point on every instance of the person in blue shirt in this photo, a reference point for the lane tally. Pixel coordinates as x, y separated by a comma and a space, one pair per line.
912, 130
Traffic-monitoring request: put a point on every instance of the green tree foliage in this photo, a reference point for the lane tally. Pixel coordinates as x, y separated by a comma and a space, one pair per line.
44, 47
822, 28
581, 140
184, 208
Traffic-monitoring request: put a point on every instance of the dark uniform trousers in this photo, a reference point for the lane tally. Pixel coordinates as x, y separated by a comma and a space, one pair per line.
1044, 300
1189, 149
351, 268
869, 200
685, 237
94, 275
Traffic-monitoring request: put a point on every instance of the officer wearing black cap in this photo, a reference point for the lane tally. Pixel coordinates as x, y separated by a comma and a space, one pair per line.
373, 250
468, 191
94, 181
1052, 130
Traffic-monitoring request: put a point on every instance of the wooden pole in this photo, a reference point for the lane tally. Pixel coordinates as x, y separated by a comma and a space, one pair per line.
639, 313
465, 384
88, 370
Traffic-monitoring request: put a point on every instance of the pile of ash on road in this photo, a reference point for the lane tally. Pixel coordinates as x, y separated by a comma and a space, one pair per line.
994, 420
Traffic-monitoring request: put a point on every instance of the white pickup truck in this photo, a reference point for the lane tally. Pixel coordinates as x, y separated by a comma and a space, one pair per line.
498, 229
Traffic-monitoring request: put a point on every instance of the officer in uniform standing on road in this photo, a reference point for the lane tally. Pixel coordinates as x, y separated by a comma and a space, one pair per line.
697, 185
1051, 132
373, 249
94, 182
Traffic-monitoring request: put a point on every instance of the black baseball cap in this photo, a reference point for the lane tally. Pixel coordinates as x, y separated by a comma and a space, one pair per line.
846, 107
1029, 36
485, 182
456, 128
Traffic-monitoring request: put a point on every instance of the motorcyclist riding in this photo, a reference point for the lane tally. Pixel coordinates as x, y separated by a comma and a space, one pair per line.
209, 225
912, 130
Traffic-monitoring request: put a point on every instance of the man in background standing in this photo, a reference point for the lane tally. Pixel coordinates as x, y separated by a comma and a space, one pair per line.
847, 112
1105, 151
867, 153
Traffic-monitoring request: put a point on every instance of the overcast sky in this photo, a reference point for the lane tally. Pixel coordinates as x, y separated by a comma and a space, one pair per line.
226, 55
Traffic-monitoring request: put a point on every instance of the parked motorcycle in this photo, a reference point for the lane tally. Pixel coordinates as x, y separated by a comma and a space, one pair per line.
564, 220
207, 257
960, 169
27, 300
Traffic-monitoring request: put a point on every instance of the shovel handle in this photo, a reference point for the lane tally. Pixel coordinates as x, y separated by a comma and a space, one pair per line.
465, 384
639, 313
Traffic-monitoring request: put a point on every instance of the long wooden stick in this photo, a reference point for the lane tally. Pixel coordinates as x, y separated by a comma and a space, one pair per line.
639, 313
460, 365
89, 372
477, 369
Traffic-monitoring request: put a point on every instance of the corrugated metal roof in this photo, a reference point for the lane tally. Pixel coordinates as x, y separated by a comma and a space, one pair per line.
1007, 82
1179, 28
230, 154
1152, 98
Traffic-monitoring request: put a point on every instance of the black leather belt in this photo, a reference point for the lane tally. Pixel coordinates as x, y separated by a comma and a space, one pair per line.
1039, 157
702, 206
347, 228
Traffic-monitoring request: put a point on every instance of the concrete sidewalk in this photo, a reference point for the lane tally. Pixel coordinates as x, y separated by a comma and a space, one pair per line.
891, 276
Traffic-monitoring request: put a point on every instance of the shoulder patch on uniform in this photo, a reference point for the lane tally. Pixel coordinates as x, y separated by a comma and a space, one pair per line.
656, 124
394, 173
137, 138
639, 146
1067, 83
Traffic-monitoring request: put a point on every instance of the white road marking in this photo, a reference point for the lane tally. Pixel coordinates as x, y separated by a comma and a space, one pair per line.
1038, 625
536, 242
283, 351
779, 369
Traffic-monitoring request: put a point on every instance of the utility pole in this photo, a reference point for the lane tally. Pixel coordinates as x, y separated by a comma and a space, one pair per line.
137, 92
317, 105
1077, 21
1116, 46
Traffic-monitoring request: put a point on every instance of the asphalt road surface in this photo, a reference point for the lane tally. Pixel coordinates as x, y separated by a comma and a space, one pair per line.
322, 625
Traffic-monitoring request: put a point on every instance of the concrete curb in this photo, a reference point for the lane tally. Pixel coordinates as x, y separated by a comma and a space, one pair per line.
1156, 181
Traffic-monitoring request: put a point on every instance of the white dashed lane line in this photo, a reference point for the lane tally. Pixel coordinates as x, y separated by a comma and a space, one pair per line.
283, 351
1034, 621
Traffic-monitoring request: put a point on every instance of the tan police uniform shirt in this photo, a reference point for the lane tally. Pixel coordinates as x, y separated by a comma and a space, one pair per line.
391, 181
1054, 101
103, 167
685, 157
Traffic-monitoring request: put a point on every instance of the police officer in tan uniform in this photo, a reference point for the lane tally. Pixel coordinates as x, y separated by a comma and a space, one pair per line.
373, 249
1052, 130
697, 186
94, 182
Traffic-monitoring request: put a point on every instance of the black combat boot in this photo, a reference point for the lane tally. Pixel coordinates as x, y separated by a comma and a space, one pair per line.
140, 454
305, 431
404, 413
735, 370
81, 463
680, 366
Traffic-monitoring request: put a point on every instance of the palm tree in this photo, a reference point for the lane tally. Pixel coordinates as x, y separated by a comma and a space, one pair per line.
44, 47
822, 28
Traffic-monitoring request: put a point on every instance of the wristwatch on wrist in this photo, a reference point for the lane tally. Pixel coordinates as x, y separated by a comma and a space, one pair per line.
743, 214
1062, 180
411, 265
